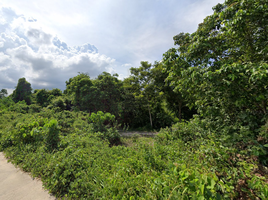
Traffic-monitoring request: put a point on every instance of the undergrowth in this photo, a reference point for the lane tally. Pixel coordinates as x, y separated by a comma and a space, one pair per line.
76, 158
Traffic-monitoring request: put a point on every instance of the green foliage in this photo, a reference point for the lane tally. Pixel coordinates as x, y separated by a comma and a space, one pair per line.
58, 104
22, 91
20, 107
186, 161
3, 93
173, 98
84, 166
6, 102
221, 70
105, 125
45, 97
51, 130
222, 67
28, 133
264, 132
234, 93
101, 121
108, 93
33, 108
55, 92
186, 131
146, 95
42, 97
79, 88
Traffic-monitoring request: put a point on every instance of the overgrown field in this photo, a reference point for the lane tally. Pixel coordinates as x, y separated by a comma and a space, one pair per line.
210, 92
187, 161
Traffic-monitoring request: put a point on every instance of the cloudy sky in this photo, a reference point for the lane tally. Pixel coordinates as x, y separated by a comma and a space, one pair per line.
48, 42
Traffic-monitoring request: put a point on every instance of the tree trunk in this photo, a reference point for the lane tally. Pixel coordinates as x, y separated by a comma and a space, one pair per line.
150, 116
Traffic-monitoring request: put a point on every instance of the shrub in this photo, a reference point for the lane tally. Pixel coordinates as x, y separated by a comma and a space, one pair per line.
51, 135
186, 131
33, 108
105, 126
58, 104
28, 132
101, 121
20, 107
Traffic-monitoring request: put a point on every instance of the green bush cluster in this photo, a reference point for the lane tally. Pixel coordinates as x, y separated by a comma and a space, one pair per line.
104, 125
186, 161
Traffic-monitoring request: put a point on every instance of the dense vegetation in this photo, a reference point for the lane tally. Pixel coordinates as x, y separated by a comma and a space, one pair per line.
207, 98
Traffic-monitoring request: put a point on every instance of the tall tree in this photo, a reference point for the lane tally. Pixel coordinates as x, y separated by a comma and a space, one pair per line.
142, 79
102, 94
80, 88
42, 97
174, 99
227, 59
108, 92
22, 91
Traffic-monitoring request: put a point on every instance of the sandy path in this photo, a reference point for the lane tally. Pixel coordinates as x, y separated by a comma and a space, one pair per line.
18, 185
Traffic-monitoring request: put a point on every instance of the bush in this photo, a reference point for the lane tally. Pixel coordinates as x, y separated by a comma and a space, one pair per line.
57, 104
28, 132
20, 107
186, 131
101, 121
33, 108
105, 126
51, 135
186, 161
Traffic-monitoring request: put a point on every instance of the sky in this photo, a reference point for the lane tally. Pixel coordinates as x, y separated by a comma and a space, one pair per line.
48, 42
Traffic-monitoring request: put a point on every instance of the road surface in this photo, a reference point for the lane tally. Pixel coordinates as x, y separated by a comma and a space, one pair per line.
18, 185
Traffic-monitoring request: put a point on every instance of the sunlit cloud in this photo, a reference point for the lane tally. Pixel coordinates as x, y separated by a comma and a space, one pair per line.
50, 41
42, 58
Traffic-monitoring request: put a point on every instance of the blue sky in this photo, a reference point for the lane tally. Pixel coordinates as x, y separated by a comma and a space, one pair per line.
48, 42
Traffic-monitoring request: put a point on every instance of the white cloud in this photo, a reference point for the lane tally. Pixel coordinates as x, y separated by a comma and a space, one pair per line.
123, 31
26, 50
38, 37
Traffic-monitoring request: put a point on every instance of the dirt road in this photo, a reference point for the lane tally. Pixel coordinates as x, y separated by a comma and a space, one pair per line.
18, 185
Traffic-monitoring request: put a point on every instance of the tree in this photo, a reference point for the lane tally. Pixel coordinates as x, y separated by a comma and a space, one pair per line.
3, 93
226, 77
22, 91
102, 94
42, 97
236, 32
129, 105
80, 88
174, 99
142, 78
55, 92
146, 85
108, 91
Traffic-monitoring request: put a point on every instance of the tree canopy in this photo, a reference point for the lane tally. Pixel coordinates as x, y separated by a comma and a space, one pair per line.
3, 93
225, 63
23, 91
